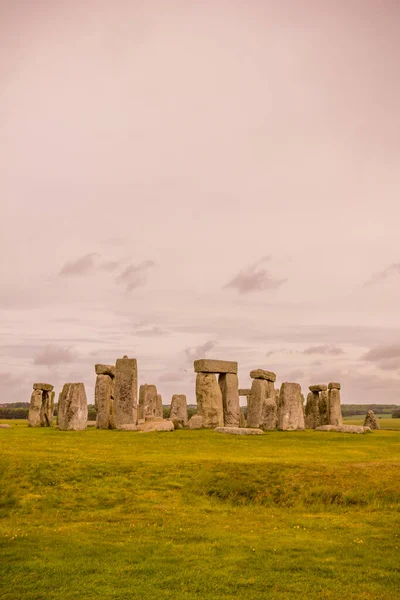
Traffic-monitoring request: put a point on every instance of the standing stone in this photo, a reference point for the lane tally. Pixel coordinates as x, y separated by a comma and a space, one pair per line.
125, 391
35, 408
312, 416
324, 408
159, 407
103, 401
178, 413
259, 393
335, 411
209, 400
47, 409
242, 420
371, 421
147, 401
290, 407
229, 384
269, 414
72, 407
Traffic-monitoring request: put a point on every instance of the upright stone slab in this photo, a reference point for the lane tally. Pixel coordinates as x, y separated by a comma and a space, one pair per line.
371, 421
103, 401
47, 409
291, 415
125, 391
72, 407
178, 413
35, 408
159, 407
259, 393
208, 365
269, 414
209, 400
229, 384
324, 408
312, 415
242, 420
147, 401
335, 410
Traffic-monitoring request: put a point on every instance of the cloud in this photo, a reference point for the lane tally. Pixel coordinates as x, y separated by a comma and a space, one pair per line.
82, 266
386, 357
382, 275
54, 355
254, 279
200, 351
325, 349
135, 276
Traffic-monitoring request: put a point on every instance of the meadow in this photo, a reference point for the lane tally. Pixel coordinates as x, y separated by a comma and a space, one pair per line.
197, 514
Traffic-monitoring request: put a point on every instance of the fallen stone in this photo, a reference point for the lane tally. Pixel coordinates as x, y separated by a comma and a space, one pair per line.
334, 386
269, 414
147, 401
35, 407
157, 425
5, 426
335, 410
207, 365
209, 400
228, 382
321, 387
291, 416
261, 374
244, 391
105, 370
239, 430
196, 422
371, 421
259, 393
344, 428
129, 427
102, 400
312, 411
45, 387
125, 391
72, 407
178, 413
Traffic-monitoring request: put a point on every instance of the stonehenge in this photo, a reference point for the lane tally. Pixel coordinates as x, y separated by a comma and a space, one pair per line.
125, 391
72, 407
147, 402
103, 396
228, 382
41, 409
178, 412
217, 401
291, 416
262, 409
371, 421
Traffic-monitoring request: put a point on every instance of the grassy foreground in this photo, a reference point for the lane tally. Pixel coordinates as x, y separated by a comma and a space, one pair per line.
197, 514
384, 420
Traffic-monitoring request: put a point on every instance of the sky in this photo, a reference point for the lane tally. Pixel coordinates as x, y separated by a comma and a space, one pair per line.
181, 180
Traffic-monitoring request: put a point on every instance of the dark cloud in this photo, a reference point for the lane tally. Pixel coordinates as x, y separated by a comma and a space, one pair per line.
200, 351
386, 357
82, 266
325, 349
382, 275
135, 276
54, 355
254, 279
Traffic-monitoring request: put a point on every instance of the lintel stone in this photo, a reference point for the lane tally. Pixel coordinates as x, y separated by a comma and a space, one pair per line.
261, 374
318, 388
208, 365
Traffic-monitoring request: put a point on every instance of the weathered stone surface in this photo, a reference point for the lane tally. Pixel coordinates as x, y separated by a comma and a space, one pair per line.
209, 400
324, 408
157, 425
129, 427
207, 365
103, 401
228, 382
45, 387
320, 387
345, 428
312, 414
125, 391
242, 420
259, 393
244, 391
47, 409
335, 410
159, 407
371, 421
269, 414
291, 416
105, 370
72, 407
261, 374
35, 408
5, 426
333, 386
91, 424
238, 430
178, 413
196, 422
147, 401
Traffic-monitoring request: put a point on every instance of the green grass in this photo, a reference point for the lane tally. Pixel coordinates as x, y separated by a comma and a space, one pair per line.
197, 514
385, 421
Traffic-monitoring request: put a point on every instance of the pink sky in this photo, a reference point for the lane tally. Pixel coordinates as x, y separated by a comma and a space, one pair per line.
184, 179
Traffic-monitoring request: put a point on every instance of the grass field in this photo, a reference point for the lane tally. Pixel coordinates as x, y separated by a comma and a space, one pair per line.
197, 514
385, 421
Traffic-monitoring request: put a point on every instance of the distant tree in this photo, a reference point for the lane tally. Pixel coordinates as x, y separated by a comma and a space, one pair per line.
396, 414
